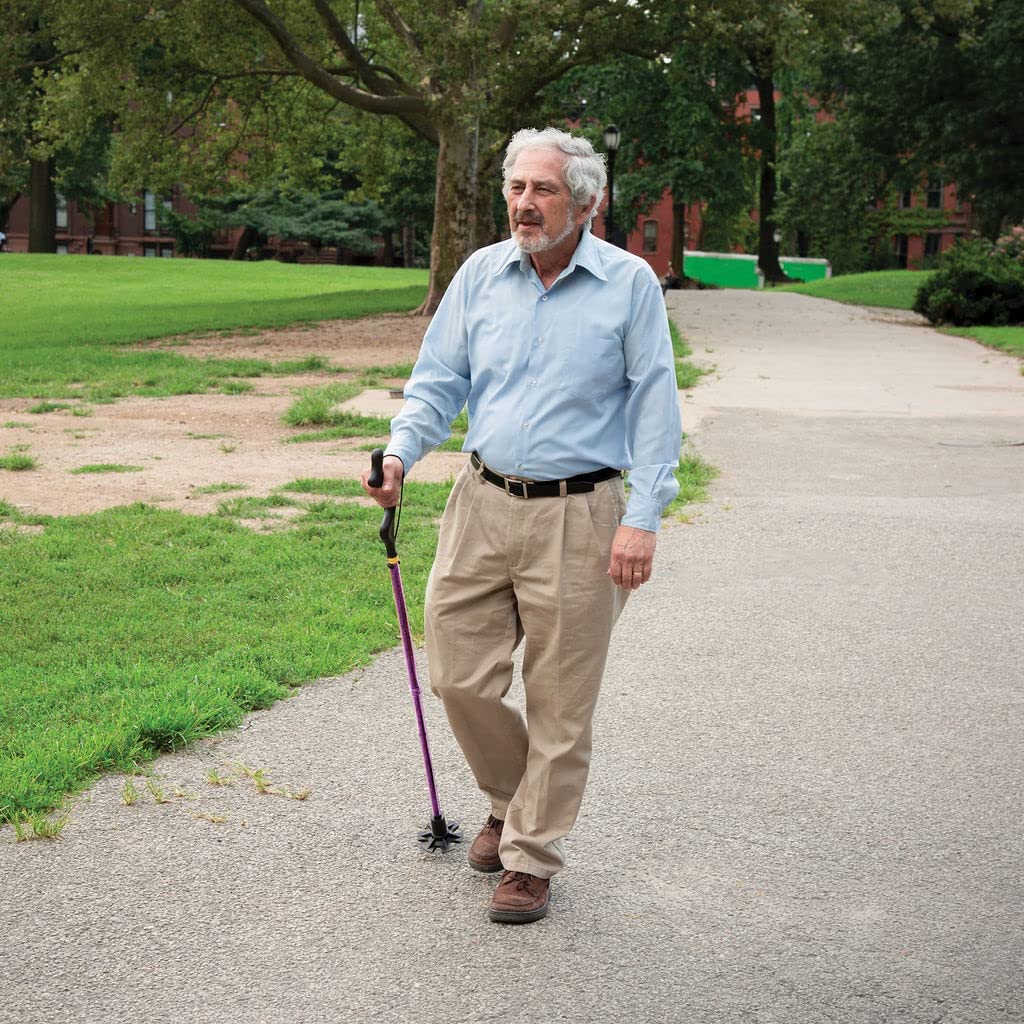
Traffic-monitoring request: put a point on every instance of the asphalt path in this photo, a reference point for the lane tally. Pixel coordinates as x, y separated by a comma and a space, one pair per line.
806, 799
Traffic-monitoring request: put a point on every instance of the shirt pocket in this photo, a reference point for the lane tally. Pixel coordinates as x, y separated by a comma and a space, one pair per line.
495, 344
594, 366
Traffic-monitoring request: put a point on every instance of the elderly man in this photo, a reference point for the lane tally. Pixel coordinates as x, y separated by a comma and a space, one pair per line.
559, 345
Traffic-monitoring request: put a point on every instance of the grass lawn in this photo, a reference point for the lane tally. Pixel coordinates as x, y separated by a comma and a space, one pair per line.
892, 289
1006, 339
137, 629
66, 320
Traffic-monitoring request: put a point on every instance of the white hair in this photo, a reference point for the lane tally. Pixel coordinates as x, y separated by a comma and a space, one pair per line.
583, 171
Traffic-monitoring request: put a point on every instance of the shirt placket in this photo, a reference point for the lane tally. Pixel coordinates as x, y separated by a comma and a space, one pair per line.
535, 370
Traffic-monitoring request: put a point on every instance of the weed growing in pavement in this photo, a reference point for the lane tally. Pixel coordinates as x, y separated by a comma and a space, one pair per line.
228, 447
129, 794
216, 819
156, 792
214, 778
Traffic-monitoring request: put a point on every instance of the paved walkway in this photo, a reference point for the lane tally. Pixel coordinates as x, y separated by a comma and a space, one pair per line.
807, 799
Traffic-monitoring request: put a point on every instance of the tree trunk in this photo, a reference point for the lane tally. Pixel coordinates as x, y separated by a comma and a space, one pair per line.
6, 205
42, 208
242, 243
767, 247
408, 245
678, 237
454, 233
488, 184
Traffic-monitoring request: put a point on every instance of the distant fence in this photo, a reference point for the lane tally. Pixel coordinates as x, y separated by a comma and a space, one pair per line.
740, 270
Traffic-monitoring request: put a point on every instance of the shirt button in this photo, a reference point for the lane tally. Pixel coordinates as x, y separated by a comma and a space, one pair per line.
539, 340
543, 298
525, 423
533, 383
520, 466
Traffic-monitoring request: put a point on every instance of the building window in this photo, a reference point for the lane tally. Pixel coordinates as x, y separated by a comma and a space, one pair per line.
932, 245
62, 249
166, 251
148, 212
650, 236
905, 200
900, 247
934, 196
149, 250
62, 212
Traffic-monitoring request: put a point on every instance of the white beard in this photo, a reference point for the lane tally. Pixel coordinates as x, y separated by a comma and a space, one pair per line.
543, 241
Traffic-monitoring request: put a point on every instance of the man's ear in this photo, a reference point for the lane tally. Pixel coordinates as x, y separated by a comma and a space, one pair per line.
583, 213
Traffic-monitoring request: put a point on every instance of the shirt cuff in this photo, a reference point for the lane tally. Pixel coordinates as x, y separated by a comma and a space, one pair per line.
642, 513
404, 453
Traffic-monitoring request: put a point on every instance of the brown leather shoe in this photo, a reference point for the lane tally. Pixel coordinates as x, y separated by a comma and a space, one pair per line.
519, 898
483, 854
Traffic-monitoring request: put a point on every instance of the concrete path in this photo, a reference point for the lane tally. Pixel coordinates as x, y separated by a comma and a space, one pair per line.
806, 803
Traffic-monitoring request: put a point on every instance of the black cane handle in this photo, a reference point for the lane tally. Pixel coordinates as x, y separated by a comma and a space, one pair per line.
389, 525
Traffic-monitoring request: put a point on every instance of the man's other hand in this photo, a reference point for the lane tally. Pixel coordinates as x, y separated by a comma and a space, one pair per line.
632, 557
387, 494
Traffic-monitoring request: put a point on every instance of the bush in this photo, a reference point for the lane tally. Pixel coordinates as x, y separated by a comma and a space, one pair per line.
979, 284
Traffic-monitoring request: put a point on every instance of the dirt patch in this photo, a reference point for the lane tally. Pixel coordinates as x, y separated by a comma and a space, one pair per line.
189, 442
357, 344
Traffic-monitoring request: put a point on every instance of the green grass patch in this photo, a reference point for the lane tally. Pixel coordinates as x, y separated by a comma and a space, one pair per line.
16, 461
67, 322
44, 407
694, 475
688, 374
347, 424
891, 289
220, 488
106, 467
1005, 339
190, 622
236, 387
18, 425
311, 364
319, 406
330, 486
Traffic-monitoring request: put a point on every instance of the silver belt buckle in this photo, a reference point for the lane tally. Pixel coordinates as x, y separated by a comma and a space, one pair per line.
518, 480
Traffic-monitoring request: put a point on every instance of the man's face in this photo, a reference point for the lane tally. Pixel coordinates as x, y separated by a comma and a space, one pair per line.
541, 213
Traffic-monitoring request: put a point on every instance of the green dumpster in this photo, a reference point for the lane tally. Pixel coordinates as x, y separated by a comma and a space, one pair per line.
739, 270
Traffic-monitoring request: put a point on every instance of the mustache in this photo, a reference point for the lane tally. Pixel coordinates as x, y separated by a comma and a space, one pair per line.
528, 219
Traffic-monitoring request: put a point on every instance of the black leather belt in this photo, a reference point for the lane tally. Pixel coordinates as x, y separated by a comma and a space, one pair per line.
520, 488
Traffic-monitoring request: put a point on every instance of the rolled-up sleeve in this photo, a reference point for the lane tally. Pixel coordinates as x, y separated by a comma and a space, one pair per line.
653, 423
439, 386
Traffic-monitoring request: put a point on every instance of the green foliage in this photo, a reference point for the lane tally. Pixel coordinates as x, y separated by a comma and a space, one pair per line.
679, 130
936, 86
978, 285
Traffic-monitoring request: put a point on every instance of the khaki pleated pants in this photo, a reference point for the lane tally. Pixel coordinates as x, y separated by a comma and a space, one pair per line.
508, 569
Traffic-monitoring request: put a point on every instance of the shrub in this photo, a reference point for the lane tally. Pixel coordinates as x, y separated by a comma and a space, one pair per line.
979, 284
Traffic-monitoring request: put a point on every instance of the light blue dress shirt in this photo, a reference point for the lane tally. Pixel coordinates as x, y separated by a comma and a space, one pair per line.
558, 381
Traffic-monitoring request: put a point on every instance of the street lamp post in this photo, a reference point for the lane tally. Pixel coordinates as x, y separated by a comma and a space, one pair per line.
611, 144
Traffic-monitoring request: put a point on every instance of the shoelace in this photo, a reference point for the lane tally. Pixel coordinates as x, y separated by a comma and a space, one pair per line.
521, 879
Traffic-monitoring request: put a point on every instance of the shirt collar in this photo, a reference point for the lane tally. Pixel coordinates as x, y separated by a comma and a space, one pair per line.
585, 255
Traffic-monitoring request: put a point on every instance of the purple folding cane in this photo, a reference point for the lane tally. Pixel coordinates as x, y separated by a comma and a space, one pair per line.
439, 835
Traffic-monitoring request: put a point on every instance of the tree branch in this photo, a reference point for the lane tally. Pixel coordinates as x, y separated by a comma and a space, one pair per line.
398, 24
364, 70
412, 107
